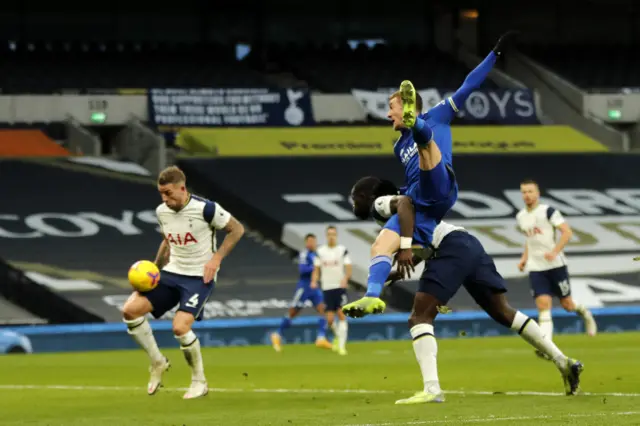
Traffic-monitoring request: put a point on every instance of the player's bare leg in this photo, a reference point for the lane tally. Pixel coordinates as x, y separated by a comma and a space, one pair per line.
425, 310
134, 311
276, 336
342, 331
190, 347
498, 308
321, 338
570, 305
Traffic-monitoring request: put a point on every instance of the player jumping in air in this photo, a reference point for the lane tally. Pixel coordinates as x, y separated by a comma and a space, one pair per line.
333, 268
305, 293
189, 262
455, 258
425, 150
545, 261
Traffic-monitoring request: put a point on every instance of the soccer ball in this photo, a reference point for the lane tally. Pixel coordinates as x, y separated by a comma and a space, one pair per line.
144, 275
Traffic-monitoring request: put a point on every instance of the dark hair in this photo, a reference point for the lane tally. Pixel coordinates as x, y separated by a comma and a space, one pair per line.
306, 237
375, 187
529, 182
332, 227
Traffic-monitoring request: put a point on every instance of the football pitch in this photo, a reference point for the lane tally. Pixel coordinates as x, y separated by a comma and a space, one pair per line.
488, 381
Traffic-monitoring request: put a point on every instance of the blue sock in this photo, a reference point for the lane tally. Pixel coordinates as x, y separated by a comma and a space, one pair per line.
378, 273
286, 323
422, 133
322, 327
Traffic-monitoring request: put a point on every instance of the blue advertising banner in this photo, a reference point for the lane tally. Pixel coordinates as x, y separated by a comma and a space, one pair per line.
497, 106
256, 331
208, 107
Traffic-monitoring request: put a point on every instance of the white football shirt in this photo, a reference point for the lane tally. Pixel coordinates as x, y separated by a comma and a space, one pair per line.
539, 225
191, 234
331, 261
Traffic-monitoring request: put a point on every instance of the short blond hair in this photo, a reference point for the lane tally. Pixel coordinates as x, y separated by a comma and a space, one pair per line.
171, 174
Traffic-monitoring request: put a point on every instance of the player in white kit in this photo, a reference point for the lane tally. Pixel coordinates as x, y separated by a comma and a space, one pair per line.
189, 262
544, 259
333, 270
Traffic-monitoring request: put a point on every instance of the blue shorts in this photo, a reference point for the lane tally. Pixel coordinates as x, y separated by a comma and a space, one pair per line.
552, 282
436, 191
335, 299
460, 260
422, 230
173, 289
303, 294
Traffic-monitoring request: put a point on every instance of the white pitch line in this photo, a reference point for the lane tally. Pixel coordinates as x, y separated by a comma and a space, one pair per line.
303, 390
502, 419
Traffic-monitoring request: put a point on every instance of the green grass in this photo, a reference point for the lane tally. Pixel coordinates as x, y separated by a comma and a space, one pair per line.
245, 381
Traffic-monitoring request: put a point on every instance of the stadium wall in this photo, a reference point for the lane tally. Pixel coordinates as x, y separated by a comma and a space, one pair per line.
244, 332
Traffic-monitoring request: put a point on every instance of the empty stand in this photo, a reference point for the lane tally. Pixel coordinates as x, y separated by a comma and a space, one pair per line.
339, 68
46, 66
13, 314
592, 66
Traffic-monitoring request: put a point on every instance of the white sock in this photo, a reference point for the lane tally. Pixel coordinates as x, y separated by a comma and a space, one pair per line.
581, 310
532, 334
343, 329
190, 347
546, 323
426, 350
141, 332
334, 328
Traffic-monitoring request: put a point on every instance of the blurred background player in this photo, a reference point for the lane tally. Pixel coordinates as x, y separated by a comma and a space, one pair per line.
544, 259
333, 269
189, 262
303, 293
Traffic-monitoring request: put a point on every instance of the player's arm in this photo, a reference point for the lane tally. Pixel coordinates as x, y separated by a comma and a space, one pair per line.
163, 255
305, 264
446, 109
315, 275
219, 218
348, 270
524, 258
558, 222
234, 231
403, 207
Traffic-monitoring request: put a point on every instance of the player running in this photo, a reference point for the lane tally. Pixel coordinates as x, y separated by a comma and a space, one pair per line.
333, 268
455, 258
425, 150
545, 261
305, 293
189, 262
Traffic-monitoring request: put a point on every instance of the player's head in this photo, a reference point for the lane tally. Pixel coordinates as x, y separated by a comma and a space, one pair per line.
172, 186
310, 242
365, 192
332, 235
395, 109
530, 192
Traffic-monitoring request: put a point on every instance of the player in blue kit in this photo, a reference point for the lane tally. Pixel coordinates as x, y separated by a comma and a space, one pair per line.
425, 150
189, 259
305, 293
454, 258
425, 146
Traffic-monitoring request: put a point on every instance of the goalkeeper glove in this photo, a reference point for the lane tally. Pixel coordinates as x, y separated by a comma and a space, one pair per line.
504, 42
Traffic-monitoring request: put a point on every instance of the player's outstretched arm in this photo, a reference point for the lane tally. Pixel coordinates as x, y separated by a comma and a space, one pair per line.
162, 257
445, 111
